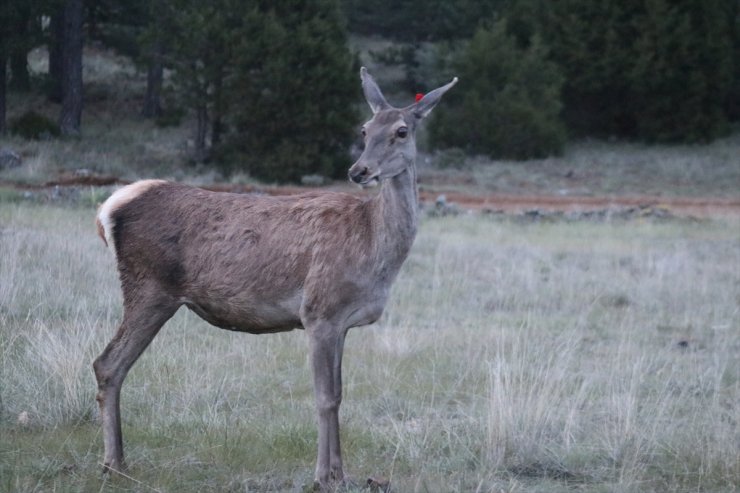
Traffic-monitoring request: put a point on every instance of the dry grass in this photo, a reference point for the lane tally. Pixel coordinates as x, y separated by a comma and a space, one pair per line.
512, 357
600, 168
115, 139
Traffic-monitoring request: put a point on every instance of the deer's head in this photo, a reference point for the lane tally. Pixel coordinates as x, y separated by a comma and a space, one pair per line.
390, 135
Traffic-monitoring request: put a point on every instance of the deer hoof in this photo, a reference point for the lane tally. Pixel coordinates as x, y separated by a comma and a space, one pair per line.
333, 487
113, 467
379, 484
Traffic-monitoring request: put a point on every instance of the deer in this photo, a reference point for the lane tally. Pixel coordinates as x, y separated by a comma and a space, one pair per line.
319, 261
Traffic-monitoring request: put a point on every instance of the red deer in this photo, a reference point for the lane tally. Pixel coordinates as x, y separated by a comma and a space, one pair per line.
323, 262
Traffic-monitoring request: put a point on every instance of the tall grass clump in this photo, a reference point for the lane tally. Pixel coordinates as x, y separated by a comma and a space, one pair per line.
52, 304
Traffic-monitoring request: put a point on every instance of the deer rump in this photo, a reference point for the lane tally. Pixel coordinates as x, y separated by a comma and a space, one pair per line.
242, 262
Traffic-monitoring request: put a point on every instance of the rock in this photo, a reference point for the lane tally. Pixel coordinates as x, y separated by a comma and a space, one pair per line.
9, 158
313, 180
444, 208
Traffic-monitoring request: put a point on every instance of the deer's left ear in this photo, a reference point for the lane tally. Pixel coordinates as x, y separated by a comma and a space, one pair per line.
426, 104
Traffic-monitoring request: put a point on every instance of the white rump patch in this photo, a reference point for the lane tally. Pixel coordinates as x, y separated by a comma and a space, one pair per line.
120, 197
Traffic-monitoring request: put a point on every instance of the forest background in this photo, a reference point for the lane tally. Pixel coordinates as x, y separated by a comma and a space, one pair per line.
271, 87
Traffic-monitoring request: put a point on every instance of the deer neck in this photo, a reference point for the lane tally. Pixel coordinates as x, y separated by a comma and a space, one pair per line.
396, 215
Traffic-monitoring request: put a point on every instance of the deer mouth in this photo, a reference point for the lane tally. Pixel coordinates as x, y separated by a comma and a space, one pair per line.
371, 182
364, 179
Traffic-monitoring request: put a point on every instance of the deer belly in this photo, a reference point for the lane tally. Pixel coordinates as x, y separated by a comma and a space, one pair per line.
245, 316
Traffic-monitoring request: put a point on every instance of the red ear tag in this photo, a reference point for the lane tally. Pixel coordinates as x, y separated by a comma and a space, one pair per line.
419, 96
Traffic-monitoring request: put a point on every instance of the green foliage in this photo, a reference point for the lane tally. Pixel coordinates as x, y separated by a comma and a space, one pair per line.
414, 20
682, 70
653, 70
507, 104
118, 24
32, 125
272, 86
656, 70
292, 93
733, 95
170, 117
9, 195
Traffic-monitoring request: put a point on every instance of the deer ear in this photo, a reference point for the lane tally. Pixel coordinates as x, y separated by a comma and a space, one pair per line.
372, 92
426, 104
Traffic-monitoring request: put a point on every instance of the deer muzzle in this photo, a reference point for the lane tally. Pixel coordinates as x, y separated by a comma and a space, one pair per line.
361, 174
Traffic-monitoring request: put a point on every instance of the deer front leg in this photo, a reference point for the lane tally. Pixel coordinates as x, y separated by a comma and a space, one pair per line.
327, 344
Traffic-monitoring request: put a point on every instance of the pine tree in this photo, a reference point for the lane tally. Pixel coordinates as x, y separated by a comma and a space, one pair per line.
71, 113
682, 70
196, 40
417, 20
508, 101
592, 44
271, 84
293, 92
3, 84
656, 70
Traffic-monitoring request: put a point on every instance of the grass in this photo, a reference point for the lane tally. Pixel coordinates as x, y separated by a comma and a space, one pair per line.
599, 168
513, 356
115, 139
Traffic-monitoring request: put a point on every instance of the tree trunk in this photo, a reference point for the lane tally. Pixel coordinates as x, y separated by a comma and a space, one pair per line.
20, 79
152, 102
69, 121
218, 108
56, 47
3, 77
201, 130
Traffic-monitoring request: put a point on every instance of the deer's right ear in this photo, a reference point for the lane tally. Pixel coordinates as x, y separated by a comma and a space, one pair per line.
372, 92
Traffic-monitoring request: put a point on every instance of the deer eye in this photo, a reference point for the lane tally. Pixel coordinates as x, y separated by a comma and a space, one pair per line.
402, 132
363, 132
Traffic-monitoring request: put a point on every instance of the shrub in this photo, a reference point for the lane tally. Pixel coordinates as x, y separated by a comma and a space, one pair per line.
293, 95
508, 101
660, 70
32, 125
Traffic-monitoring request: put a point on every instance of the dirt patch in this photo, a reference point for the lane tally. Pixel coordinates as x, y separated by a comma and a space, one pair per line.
700, 207
517, 204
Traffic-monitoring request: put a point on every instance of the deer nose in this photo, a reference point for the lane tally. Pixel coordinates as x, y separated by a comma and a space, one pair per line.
359, 175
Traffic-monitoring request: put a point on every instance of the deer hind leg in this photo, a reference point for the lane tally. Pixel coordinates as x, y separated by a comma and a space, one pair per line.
143, 316
327, 345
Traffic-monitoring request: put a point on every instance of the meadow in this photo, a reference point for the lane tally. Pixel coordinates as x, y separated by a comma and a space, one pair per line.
514, 355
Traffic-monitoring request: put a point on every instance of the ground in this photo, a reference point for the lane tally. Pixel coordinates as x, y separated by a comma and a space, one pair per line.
567, 324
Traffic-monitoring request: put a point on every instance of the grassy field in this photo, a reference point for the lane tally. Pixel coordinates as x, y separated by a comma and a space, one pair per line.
513, 356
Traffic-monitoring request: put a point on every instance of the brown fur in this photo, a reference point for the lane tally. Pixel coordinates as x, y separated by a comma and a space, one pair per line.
323, 262
234, 259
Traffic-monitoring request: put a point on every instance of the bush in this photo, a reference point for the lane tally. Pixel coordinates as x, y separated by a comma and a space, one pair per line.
656, 71
682, 71
293, 94
507, 104
32, 125
273, 85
